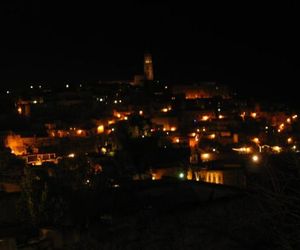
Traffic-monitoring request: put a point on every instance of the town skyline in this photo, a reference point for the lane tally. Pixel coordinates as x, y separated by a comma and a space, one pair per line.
249, 48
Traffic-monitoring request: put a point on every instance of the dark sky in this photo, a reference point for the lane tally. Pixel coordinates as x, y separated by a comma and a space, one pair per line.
249, 45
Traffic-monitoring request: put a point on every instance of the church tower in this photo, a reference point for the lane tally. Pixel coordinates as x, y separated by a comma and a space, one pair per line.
148, 67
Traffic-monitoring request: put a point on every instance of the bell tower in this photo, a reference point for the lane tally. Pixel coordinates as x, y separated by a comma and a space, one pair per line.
148, 67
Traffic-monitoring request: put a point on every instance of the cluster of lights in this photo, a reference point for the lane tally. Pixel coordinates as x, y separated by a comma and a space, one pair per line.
165, 110
288, 120
245, 150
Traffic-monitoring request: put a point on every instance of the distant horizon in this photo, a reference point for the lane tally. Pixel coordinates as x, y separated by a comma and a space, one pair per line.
251, 50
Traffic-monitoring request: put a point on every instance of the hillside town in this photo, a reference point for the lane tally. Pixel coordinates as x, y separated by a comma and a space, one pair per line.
93, 138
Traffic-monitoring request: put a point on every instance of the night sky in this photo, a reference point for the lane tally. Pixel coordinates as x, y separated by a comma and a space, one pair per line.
248, 45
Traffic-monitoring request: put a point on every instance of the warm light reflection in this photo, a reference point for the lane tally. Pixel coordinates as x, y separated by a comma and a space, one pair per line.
253, 115
243, 115
290, 140
100, 129
205, 118
212, 136
19, 110
173, 128
245, 150
205, 156
103, 150
277, 149
255, 158
256, 140
79, 132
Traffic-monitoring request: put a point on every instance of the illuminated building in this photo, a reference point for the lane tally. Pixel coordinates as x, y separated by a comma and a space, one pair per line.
148, 67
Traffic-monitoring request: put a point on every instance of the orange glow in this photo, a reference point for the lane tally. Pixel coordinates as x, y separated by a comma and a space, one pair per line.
173, 128
16, 144
165, 110
79, 132
176, 140
205, 156
221, 116
288, 120
189, 175
212, 136
243, 150
277, 149
295, 116
255, 158
192, 142
100, 129
141, 112
243, 115
111, 122
213, 177
290, 140
253, 115
19, 110
205, 118
256, 140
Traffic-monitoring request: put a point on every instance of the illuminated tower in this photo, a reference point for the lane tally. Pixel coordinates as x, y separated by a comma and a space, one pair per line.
148, 67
